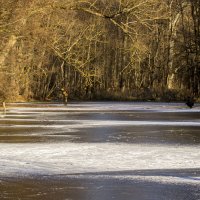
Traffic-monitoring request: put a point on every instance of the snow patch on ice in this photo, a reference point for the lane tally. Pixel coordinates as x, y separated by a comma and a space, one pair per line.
114, 106
66, 158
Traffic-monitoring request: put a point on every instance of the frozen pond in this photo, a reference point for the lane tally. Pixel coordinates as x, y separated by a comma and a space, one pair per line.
100, 150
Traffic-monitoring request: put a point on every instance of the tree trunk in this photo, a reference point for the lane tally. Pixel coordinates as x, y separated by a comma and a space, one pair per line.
172, 37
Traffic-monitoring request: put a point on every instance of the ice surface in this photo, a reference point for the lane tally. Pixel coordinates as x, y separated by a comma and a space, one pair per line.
67, 158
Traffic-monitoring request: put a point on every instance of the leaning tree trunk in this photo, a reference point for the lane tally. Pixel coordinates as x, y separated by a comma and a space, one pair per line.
6, 50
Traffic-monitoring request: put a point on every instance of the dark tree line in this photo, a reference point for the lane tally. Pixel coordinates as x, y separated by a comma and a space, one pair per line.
100, 49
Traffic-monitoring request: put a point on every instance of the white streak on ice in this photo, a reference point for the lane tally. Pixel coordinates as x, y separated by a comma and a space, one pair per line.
99, 123
114, 106
148, 178
70, 158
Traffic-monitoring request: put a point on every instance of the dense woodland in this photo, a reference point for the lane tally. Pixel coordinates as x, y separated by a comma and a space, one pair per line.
99, 49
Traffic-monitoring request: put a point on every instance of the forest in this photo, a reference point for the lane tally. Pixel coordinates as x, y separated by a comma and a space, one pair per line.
99, 49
